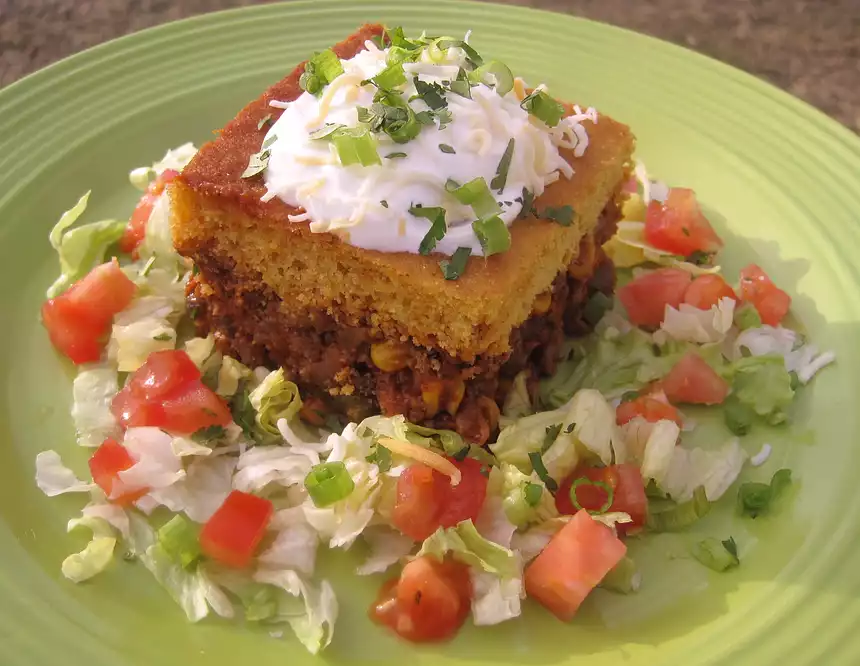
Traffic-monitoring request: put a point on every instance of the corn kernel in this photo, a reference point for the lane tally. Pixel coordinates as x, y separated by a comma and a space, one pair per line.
583, 266
455, 389
431, 394
389, 356
542, 303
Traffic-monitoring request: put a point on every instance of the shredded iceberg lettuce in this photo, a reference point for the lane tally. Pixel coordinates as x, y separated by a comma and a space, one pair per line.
54, 478
98, 553
273, 399
387, 548
82, 248
92, 393
764, 384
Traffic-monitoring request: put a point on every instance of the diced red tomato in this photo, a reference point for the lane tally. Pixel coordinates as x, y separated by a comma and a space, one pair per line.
78, 319
163, 373
167, 392
71, 333
135, 232
463, 501
426, 500
678, 225
707, 290
429, 602
693, 381
572, 564
628, 493
771, 302
646, 297
649, 408
235, 530
106, 463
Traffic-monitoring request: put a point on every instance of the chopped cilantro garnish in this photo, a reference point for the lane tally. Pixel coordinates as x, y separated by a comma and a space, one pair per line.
551, 435
398, 39
453, 268
207, 435
540, 470
493, 234
380, 456
394, 156
527, 200
699, 258
561, 214
498, 183
461, 86
472, 56
383, 203
265, 120
243, 411
543, 107
162, 337
460, 456
432, 93
755, 498
325, 131
438, 226
445, 148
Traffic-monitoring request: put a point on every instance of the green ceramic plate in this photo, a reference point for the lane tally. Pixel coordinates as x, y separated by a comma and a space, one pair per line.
779, 178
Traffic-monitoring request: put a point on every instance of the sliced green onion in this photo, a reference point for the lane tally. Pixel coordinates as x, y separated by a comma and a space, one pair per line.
397, 55
325, 131
438, 226
265, 120
623, 578
680, 515
328, 483
502, 79
756, 498
257, 163
259, 601
390, 77
540, 470
355, 146
543, 107
179, 537
532, 493
746, 316
715, 554
561, 214
493, 234
795, 380
699, 258
527, 200
453, 268
327, 65
476, 194
471, 54
585, 481
596, 306
501, 178
738, 416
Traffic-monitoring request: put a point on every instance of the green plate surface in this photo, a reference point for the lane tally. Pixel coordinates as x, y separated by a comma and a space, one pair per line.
780, 180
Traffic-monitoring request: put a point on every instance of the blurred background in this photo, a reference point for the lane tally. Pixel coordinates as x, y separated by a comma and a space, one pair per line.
809, 47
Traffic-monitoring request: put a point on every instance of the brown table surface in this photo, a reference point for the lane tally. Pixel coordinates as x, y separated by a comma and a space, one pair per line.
809, 47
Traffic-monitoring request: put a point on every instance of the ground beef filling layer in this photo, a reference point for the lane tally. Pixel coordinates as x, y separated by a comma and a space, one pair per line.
353, 372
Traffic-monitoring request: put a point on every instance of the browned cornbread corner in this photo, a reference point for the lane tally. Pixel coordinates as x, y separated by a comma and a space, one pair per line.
365, 330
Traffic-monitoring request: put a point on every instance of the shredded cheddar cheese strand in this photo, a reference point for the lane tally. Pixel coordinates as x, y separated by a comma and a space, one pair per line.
422, 455
328, 95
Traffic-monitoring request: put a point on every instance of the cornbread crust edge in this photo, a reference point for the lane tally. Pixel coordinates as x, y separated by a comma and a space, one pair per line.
403, 296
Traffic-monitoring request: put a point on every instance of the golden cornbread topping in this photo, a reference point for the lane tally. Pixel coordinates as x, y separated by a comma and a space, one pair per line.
419, 147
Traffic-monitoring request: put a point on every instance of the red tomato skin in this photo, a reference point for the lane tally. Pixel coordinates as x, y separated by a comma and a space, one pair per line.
106, 463
78, 319
692, 380
135, 232
627, 487
646, 297
164, 372
70, 332
429, 602
650, 408
707, 290
193, 407
678, 225
235, 530
133, 411
771, 302
572, 564
419, 501
465, 500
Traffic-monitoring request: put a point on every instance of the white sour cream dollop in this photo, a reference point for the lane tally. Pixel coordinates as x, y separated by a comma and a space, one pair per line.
368, 206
